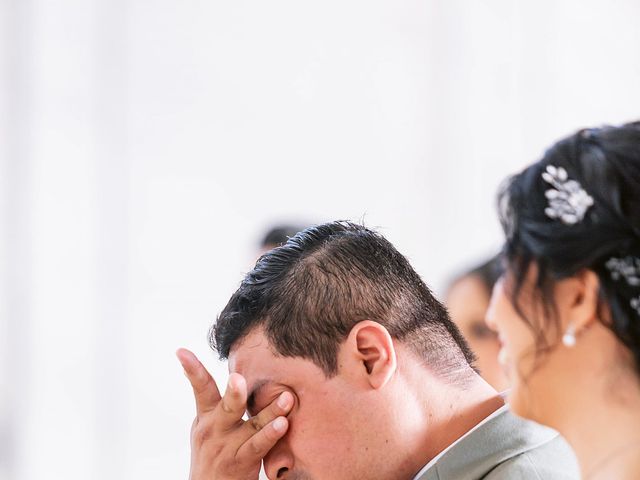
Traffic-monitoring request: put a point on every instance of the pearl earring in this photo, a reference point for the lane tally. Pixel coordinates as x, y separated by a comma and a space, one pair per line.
569, 337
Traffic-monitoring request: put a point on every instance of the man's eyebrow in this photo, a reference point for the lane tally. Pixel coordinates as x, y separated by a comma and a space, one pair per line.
255, 390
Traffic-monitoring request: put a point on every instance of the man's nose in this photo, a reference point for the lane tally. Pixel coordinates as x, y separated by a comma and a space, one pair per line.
278, 463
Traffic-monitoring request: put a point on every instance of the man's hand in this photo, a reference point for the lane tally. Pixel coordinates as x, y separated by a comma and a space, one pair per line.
223, 445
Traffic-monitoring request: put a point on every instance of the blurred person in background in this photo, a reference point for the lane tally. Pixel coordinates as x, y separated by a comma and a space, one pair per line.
467, 300
568, 306
277, 235
349, 368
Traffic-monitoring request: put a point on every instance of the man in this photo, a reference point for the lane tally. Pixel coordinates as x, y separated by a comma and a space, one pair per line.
349, 368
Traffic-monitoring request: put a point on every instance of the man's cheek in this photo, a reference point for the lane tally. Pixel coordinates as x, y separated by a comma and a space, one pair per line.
314, 432
319, 449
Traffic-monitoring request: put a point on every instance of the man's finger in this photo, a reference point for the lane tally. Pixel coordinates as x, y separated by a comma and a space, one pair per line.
204, 386
257, 447
231, 408
280, 407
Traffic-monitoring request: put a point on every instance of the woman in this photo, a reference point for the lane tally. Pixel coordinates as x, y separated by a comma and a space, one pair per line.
568, 307
467, 300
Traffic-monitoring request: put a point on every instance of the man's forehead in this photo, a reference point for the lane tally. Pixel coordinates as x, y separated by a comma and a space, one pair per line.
250, 352
255, 359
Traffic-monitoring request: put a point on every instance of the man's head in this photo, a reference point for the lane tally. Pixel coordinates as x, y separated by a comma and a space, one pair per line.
338, 317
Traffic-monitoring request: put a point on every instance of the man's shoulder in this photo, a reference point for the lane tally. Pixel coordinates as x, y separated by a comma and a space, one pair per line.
506, 447
552, 460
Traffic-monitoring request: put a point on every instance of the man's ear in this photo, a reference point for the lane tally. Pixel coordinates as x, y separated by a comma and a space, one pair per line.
577, 298
372, 347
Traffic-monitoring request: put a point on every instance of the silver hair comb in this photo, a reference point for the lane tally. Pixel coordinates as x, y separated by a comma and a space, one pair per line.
627, 268
568, 201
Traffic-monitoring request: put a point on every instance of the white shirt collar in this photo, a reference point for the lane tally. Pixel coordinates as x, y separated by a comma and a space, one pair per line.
437, 457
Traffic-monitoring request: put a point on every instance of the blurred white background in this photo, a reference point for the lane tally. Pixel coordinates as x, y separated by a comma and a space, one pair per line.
146, 146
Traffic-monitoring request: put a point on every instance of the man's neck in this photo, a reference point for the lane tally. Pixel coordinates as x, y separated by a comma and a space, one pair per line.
460, 412
449, 411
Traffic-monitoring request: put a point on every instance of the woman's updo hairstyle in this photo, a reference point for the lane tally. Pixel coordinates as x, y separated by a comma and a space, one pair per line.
579, 208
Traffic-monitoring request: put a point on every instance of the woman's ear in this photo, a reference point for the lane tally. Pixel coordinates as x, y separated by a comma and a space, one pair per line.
577, 299
371, 346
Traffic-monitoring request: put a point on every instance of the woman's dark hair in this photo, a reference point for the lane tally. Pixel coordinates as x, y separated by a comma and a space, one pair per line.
603, 223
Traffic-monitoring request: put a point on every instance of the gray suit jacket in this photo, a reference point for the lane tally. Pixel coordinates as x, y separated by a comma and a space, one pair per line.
507, 447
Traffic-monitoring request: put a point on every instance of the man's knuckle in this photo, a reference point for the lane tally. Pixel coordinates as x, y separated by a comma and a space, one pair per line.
224, 405
200, 386
256, 424
201, 434
255, 448
271, 435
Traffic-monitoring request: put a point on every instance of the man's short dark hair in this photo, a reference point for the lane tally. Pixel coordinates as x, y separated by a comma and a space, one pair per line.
309, 293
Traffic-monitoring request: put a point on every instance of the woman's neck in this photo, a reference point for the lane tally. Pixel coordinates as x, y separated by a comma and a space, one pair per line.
604, 426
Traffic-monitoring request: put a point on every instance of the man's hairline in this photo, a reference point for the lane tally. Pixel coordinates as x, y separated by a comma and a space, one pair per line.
260, 325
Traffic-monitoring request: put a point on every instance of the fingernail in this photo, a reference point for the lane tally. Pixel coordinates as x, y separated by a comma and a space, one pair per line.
279, 424
181, 358
283, 400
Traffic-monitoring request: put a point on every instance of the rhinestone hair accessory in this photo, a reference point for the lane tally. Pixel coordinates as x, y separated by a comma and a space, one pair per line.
635, 304
568, 201
627, 268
